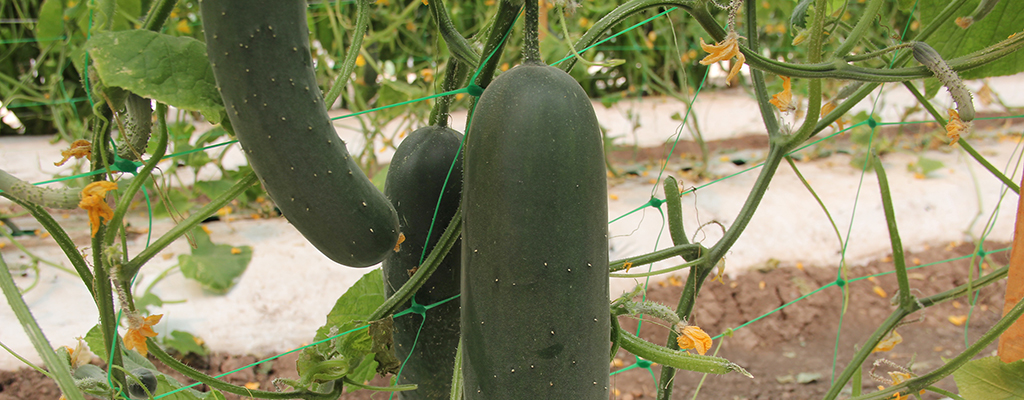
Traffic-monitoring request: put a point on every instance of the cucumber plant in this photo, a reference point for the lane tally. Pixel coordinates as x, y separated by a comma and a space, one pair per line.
260, 55
534, 308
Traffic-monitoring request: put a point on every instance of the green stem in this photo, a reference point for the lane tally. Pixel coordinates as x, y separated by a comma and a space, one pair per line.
771, 123
866, 21
36, 336
814, 55
531, 40
675, 358
454, 74
946, 393
858, 359
349, 63
691, 264
503, 20
963, 142
894, 319
128, 196
899, 260
60, 236
456, 393
821, 204
132, 267
458, 46
771, 164
158, 14
686, 251
430, 264
878, 53
674, 204
213, 382
925, 380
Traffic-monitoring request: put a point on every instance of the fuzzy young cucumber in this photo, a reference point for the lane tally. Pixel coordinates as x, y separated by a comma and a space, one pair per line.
259, 50
535, 242
415, 182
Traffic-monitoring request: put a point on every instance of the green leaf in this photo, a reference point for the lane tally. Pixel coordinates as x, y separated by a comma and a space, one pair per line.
383, 342
51, 20
179, 202
94, 338
169, 69
214, 189
990, 379
184, 343
905, 5
928, 165
380, 177
351, 353
215, 266
951, 41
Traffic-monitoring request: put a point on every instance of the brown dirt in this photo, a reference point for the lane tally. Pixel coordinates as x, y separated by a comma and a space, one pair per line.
798, 339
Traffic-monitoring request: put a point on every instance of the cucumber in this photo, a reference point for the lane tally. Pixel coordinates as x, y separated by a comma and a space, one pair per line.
535, 309
260, 55
414, 184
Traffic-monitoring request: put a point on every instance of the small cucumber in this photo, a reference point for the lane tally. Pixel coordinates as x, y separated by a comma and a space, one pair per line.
414, 184
259, 50
535, 309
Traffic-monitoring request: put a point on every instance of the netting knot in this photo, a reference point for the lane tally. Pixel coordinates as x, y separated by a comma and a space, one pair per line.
656, 202
840, 282
474, 90
872, 123
125, 165
643, 363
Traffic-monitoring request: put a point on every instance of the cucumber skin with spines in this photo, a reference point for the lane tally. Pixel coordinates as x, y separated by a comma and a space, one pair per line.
535, 242
259, 51
414, 184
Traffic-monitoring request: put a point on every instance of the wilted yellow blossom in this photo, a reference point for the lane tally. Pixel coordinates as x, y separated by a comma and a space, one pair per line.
724, 50
78, 149
138, 330
955, 127
889, 342
784, 100
94, 200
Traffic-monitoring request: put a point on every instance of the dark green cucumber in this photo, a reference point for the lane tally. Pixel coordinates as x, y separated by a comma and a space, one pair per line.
414, 184
259, 51
535, 242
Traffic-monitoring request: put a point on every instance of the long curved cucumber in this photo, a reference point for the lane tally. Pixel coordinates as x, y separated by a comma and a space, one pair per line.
259, 50
414, 185
535, 303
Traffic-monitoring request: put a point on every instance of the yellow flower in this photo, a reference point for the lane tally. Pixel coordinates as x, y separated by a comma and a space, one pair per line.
138, 330
80, 148
889, 342
627, 265
360, 60
80, 355
784, 100
94, 200
955, 127
829, 107
427, 74
722, 51
183, 27
692, 337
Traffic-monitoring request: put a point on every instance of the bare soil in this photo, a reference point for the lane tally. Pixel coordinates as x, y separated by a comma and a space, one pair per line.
801, 338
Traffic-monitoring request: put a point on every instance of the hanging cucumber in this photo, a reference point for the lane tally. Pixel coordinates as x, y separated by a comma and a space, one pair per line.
414, 185
260, 55
535, 303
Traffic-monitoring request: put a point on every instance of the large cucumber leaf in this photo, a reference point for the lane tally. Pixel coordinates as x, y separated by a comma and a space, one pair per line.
350, 354
990, 379
951, 41
169, 69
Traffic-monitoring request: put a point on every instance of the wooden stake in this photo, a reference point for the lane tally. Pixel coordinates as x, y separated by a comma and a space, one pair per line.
1011, 342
